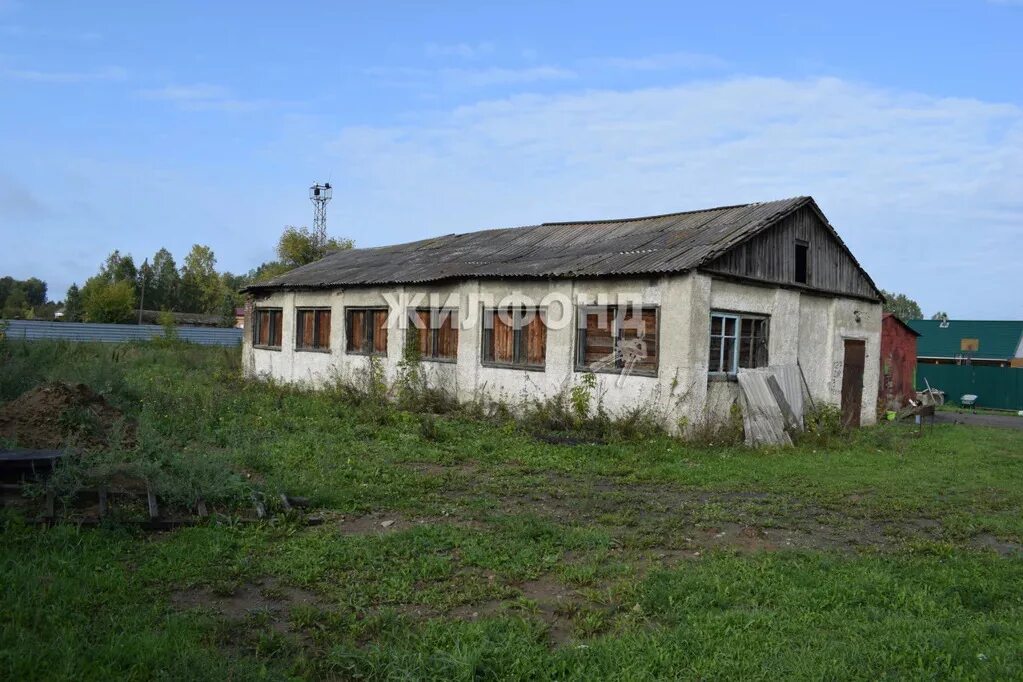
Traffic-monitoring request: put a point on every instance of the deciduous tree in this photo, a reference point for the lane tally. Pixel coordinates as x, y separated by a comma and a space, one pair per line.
105, 301
163, 288
201, 290
902, 306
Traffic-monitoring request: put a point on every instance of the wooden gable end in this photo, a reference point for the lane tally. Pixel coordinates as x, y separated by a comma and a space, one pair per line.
770, 257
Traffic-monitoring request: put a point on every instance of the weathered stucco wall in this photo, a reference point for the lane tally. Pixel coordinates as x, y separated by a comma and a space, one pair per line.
802, 326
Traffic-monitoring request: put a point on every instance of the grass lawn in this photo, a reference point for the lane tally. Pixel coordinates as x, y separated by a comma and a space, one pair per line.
457, 548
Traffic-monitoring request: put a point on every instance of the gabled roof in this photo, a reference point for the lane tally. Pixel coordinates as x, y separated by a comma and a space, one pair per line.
675, 242
895, 320
999, 339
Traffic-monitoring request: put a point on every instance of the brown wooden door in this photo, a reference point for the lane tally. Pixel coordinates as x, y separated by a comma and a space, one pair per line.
852, 381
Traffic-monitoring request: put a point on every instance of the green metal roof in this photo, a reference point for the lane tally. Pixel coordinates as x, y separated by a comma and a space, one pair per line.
998, 339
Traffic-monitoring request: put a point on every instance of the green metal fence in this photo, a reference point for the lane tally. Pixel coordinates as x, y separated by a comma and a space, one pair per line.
995, 387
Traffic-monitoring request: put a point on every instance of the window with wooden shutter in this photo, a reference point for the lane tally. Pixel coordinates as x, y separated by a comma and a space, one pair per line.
366, 331
617, 338
515, 338
312, 329
267, 328
437, 333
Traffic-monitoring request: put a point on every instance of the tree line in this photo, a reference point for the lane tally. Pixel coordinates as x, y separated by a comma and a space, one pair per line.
121, 287
24, 299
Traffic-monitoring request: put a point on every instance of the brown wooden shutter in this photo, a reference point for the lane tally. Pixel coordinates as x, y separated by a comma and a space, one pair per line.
639, 339
277, 318
323, 329
504, 339
264, 327
380, 331
421, 327
356, 331
599, 339
534, 335
447, 335
306, 328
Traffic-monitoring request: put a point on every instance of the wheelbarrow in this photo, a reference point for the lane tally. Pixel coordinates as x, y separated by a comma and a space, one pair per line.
968, 401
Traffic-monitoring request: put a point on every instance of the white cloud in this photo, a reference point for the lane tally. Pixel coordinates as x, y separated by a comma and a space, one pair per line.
111, 73
202, 97
461, 50
924, 189
466, 78
477, 78
688, 61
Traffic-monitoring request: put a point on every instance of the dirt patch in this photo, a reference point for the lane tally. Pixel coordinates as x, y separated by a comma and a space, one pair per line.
437, 469
554, 605
1003, 547
262, 597
376, 523
382, 522
57, 414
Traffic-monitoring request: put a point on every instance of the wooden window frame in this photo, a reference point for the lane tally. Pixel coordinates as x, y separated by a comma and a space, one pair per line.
315, 310
433, 331
805, 246
270, 311
735, 363
617, 316
520, 351
369, 331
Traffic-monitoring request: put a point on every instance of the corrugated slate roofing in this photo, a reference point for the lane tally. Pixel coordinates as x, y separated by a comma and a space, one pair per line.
675, 242
999, 339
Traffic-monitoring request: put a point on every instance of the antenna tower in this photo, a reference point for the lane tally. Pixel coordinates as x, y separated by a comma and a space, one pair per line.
320, 195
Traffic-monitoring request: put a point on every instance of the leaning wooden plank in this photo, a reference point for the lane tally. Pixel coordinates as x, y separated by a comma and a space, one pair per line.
792, 387
787, 413
766, 420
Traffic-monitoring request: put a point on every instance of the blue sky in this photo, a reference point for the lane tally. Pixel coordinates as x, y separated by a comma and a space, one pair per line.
139, 125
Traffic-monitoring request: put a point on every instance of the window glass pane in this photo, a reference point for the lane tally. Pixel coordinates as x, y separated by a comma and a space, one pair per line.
745, 352
715, 325
714, 360
760, 344
728, 361
729, 326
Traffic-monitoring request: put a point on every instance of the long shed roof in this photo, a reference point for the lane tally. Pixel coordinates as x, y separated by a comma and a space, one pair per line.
674, 242
997, 339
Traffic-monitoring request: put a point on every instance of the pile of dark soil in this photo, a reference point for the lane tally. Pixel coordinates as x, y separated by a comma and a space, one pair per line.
55, 415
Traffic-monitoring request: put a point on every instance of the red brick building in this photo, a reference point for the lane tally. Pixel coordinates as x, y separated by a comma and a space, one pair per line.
898, 362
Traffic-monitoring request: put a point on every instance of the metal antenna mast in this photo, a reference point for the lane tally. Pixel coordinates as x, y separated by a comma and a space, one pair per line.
320, 195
